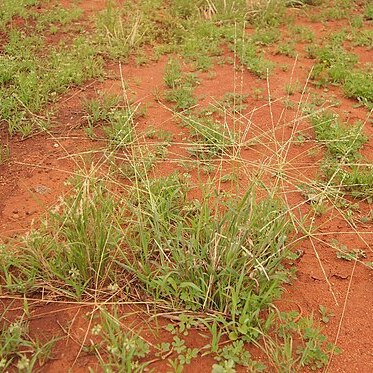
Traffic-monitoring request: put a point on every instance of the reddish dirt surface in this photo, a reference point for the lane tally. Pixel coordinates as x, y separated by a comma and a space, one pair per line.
34, 178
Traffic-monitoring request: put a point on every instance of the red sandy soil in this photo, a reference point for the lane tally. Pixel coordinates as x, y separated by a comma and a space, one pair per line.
34, 178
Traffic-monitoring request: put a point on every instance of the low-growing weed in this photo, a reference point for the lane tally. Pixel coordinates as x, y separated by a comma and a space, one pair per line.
302, 33
10, 9
182, 97
368, 11
29, 82
334, 64
286, 49
17, 349
117, 121
359, 85
312, 351
342, 140
173, 75
215, 138
343, 252
254, 60
265, 36
325, 315
120, 348
100, 109
234, 102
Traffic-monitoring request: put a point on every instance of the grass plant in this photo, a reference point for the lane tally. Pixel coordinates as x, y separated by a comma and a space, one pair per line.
17, 349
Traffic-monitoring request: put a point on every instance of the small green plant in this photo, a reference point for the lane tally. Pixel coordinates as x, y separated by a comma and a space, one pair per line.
56, 16
181, 86
182, 97
368, 11
215, 138
342, 140
312, 351
4, 153
254, 60
357, 21
29, 81
286, 49
363, 38
302, 33
258, 93
325, 315
159, 134
343, 252
359, 85
292, 88
117, 34
173, 75
334, 64
100, 109
234, 102
265, 36
233, 354
120, 348
267, 14
17, 349
117, 121
120, 128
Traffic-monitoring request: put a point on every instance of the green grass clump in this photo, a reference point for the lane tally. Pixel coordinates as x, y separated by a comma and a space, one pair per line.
100, 109
212, 138
333, 64
265, 36
205, 255
368, 11
116, 120
302, 33
267, 13
363, 38
11, 8
74, 249
56, 17
234, 102
287, 49
343, 167
359, 85
355, 180
117, 33
181, 86
254, 60
341, 140
173, 75
120, 128
28, 81
182, 97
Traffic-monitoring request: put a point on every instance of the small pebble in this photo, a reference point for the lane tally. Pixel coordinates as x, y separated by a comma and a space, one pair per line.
41, 189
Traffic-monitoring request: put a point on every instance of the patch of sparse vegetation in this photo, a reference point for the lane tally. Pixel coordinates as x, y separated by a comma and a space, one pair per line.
212, 255
214, 138
18, 350
254, 60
